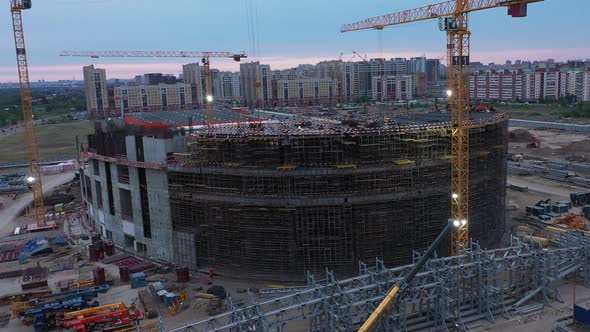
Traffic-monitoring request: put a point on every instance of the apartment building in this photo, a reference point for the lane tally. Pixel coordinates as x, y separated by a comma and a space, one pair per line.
255, 84
193, 75
95, 83
433, 70
392, 88
519, 85
227, 86
306, 91
141, 98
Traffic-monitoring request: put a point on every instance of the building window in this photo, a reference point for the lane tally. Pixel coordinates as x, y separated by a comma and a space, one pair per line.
98, 186
95, 166
123, 173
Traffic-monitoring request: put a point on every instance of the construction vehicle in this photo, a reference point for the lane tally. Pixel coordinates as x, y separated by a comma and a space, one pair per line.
572, 221
205, 56
86, 293
372, 323
452, 16
535, 143
111, 316
179, 304
34, 179
43, 317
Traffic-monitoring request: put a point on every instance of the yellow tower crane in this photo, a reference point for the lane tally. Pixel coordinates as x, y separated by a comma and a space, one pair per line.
16, 8
205, 56
452, 16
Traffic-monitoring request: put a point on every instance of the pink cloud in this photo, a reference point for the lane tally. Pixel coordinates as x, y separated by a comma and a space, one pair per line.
129, 70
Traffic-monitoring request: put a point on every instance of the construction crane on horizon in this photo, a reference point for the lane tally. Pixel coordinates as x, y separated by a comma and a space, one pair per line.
205, 56
34, 179
452, 16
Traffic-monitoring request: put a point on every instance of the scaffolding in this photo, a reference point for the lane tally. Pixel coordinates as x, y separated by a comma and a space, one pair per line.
274, 202
450, 292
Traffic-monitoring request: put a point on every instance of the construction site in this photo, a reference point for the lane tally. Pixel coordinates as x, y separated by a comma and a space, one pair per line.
332, 194
302, 218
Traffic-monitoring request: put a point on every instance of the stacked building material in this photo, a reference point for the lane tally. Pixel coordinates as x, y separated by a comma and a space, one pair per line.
138, 280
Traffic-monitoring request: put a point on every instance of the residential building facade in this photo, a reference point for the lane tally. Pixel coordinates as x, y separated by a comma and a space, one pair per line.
95, 83
392, 88
141, 98
193, 75
255, 84
303, 92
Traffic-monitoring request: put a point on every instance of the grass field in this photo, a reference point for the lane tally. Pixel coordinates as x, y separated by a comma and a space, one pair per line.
55, 140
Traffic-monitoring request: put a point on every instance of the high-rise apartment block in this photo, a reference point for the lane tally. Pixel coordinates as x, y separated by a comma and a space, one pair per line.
392, 88
227, 86
255, 84
95, 82
417, 65
433, 70
193, 75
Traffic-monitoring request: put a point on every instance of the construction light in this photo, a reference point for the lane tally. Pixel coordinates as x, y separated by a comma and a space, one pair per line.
463, 222
456, 223
31, 179
455, 195
209, 98
449, 93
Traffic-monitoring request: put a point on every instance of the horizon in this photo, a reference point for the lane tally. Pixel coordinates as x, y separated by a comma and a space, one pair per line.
281, 34
156, 67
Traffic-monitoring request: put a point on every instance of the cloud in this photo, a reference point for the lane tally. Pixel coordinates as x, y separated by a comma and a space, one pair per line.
129, 70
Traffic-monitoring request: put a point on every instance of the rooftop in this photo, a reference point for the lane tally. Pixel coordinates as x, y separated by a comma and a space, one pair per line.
357, 124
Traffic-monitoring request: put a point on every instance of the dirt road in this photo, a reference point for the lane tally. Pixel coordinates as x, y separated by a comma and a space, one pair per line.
11, 210
545, 186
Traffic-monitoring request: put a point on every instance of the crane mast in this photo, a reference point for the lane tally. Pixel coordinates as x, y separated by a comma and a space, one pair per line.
205, 56
458, 39
27, 107
452, 16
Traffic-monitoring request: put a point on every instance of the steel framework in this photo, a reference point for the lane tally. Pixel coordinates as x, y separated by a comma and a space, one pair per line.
449, 292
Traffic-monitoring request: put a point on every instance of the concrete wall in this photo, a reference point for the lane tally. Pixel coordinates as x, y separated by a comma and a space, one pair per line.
160, 245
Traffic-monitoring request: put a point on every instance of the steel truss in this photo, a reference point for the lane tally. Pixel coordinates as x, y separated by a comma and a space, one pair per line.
449, 292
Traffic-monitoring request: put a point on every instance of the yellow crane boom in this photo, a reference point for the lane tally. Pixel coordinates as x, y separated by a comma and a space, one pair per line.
16, 8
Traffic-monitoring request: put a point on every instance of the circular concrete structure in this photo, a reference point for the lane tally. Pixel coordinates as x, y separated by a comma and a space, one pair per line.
277, 204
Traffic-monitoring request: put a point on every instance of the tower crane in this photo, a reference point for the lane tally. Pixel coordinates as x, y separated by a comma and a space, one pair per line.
452, 16
16, 8
205, 56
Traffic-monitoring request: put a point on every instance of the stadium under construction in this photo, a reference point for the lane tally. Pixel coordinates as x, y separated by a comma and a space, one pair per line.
260, 198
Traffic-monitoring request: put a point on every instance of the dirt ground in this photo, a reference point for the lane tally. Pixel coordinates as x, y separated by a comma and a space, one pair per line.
555, 144
538, 113
13, 207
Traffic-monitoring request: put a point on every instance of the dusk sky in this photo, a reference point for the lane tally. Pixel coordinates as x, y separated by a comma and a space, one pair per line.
290, 33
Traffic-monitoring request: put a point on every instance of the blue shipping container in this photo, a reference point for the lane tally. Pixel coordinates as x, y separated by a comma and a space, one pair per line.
582, 314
